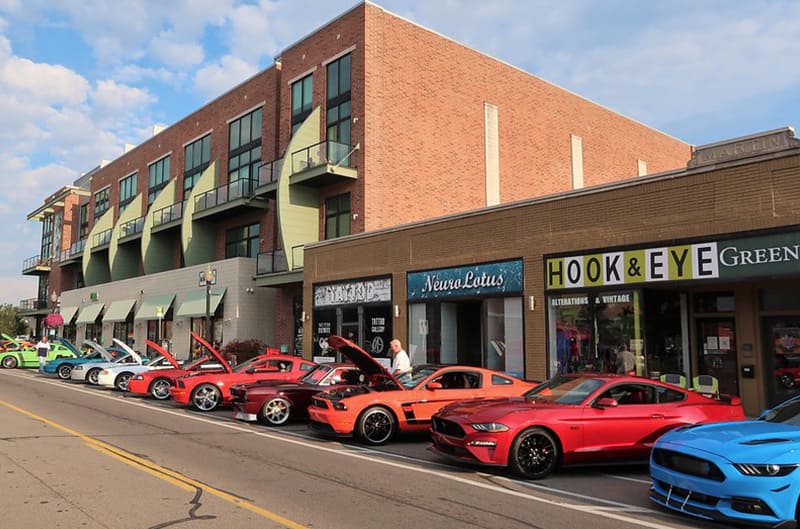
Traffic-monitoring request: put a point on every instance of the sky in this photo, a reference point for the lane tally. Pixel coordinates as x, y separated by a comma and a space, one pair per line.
79, 79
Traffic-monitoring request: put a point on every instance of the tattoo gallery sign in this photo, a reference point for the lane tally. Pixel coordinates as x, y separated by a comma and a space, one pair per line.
767, 255
475, 280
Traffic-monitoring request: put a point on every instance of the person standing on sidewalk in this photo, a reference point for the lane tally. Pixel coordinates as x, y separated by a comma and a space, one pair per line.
42, 348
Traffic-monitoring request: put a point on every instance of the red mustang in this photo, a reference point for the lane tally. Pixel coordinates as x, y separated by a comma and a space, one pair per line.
158, 382
274, 403
207, 391
573, 419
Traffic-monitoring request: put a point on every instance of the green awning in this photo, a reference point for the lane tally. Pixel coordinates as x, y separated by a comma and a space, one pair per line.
68, 313
90, 313
194, 302
149, 307
119, 310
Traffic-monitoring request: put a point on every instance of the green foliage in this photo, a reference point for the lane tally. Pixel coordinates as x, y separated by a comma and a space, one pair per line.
10, 322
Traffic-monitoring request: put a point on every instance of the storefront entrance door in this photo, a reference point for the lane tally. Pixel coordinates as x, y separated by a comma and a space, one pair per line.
717, 349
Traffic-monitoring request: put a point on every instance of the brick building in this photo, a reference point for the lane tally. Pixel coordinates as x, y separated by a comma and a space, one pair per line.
369, 122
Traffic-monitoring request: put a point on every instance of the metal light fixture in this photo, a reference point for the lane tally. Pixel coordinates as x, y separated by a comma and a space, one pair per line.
209, 278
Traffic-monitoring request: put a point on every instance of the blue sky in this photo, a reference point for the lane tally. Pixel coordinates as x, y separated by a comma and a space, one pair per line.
80, 79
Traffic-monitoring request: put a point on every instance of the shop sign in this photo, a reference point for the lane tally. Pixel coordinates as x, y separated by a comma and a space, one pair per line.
750, 257
475, 280
353, 292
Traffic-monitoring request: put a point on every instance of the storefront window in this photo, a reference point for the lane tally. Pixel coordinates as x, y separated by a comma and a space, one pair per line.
504, 344
123, 331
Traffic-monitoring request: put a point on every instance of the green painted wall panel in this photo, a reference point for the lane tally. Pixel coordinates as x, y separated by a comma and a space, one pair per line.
198, 238
158, 248
125, 259
96, 269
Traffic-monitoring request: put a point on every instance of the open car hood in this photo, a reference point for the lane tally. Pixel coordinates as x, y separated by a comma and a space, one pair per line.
66, 343
108, 357
360, 358
122, 345
12, 340
163, 352
225, 365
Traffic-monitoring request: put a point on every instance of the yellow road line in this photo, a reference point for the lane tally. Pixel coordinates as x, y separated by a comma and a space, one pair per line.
165, 474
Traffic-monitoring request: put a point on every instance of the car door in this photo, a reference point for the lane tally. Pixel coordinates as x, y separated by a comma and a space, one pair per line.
456, 384
623, 431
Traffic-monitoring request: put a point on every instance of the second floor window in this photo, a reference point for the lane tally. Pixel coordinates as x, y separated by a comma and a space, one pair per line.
83, 222
242, 241
197, 158
302, 92
47, 238
337, 216
159, 177
127, 191
101, 202
244, 154
339, 108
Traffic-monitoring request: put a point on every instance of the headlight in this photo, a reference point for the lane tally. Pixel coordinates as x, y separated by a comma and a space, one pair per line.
491, 427
104, 372
138, 377
765, 470
339, 406
78, 368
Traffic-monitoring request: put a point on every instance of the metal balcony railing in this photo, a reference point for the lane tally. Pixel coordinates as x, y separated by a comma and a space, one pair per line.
220, 195
324, 152
75, 249
32, 304
275, 261
168, 214
36, 260
269, 172
104, 237
132, 227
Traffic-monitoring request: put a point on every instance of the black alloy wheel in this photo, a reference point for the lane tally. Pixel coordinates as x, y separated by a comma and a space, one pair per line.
534, 453
376, 426
64, 371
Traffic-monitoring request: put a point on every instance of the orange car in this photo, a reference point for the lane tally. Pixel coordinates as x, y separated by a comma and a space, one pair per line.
375, 413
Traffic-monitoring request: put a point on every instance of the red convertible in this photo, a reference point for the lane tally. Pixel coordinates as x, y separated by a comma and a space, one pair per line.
274, 403
573, 419
207, 391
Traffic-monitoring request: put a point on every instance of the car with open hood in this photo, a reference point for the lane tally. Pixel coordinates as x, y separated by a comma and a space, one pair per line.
275, 403
573, 419
374, 413
118, 376
156, 383
208, 391
90, 372
91, 353
19, 356
743, 472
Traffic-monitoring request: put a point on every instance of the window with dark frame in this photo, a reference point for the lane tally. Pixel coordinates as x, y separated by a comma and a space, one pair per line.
244, 149
158, 178
127, 191
338, 103
337, 216
242, 241
101, 202
47, 238
197, 158
83, 223
302, 95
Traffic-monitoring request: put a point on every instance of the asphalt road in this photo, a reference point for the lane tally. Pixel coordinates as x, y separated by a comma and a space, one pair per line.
73, 456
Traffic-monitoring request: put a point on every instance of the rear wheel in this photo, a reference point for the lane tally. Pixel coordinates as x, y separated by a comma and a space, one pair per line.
276, 412
206, 397
91, 376
9, 362
534, 453
122, 380
376, 426
64, 371
159, 389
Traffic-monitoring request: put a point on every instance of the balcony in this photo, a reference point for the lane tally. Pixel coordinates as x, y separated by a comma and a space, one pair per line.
322, 164
268, 174
168, 217
33, 307
225, 198
36, 265
272, 269
74, 254
100, 240
131, 230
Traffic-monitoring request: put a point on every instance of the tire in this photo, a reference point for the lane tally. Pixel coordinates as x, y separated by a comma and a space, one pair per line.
91, 376
787, 381
64, 371
534, 454
10, 362
159, 389
276, 412
122, 380
206, 397
376, 426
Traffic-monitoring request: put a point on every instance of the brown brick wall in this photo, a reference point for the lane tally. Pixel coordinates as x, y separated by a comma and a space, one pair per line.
284, 312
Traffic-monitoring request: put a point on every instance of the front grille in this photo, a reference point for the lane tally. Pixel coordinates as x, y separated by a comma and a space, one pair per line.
686, 464
678, 494
319, 403
446, 427
239, 395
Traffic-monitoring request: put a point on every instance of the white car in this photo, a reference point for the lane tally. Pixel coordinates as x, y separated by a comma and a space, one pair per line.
89, 372
117, 376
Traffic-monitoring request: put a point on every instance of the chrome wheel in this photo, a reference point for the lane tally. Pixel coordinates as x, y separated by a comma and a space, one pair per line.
91, 376
64, 371
276, 411
206, 397
376, 426
122, 380
787, 381
534, 453
9, 362
159, 389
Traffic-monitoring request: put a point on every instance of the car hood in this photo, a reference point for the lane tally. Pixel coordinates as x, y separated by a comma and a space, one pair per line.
12, 340
225, 365
489, 410
757, 441
102, 351
163, 352
66, 343
122, 345
362, 359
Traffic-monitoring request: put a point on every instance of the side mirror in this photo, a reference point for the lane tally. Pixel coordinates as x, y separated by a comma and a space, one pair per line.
606, 403
434, 385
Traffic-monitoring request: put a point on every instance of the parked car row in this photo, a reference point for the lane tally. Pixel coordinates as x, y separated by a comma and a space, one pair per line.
706, 460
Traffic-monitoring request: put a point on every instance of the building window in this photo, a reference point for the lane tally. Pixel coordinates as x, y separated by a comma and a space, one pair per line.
47, 238
197, 158
44, 286
83, 230
244, 154
159, 177
101, 202
242, 241
337, 216
302, 92
127, 191
338, 102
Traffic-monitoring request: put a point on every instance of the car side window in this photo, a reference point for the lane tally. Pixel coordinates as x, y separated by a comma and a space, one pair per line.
666, 395
497, 380
626, 394
459, 380
306, 367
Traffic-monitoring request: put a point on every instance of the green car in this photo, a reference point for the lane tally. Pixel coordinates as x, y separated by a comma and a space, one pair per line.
27, 357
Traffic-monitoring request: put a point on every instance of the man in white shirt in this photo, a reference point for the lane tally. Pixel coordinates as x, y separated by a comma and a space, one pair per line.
401, 365
42, 348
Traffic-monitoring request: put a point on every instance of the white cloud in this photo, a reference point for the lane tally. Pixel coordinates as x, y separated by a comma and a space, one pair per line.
222, 75
173, 53
132, 73
112, 99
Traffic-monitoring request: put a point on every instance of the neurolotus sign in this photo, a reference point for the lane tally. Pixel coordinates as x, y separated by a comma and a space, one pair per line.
475, 280
764, 256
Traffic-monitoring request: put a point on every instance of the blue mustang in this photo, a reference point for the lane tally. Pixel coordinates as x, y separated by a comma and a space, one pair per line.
743, 472
62, 367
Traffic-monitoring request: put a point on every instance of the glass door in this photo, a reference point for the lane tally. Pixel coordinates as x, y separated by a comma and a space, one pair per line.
782, 356
717, 349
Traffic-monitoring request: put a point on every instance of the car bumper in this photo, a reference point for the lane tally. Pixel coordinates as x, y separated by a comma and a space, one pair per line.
106, 380
139, 387
331, 422
246, 411
483, 449
79, 375
180, 395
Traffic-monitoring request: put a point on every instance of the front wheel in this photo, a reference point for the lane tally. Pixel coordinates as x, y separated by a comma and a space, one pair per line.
376, 426
787, 381
159, 389
91, 376
276, 412
64, 371
9, 362
534, 454
122, 380
206, 397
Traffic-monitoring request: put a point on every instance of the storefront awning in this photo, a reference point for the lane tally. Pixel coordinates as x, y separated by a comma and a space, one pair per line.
194, 303
149, 307
119, 310
90, 313
68, 313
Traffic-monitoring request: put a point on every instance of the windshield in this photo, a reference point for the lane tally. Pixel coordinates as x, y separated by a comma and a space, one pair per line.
316, 375
565, 390
418, 374
786, 413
